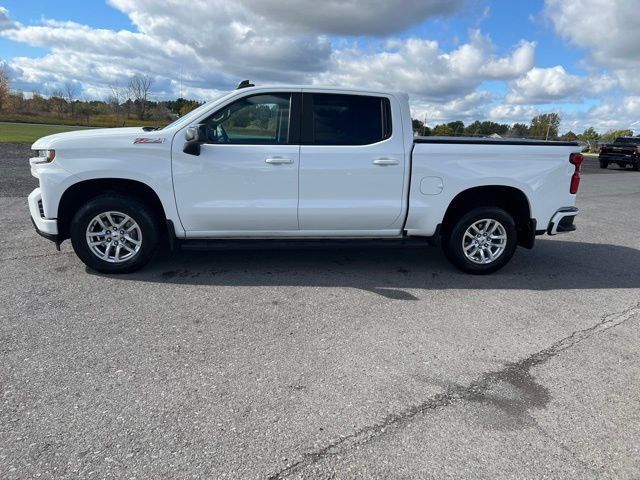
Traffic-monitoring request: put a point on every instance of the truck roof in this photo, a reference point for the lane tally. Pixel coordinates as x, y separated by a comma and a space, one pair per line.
323, 87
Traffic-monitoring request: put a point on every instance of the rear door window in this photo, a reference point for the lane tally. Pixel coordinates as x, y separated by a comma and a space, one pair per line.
337, 119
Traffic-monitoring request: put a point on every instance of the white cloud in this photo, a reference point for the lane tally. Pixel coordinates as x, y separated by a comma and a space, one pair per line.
226, 45
466, 108
5, 21
614, 114
544, 85
421, 68
607, 29
351, 17
547, 85
512, 113
629, 78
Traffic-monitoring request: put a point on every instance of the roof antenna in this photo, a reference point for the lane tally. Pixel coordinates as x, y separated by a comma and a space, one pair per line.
244, 84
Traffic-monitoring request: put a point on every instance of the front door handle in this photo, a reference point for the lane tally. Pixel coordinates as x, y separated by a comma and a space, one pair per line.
278, 160
385, 161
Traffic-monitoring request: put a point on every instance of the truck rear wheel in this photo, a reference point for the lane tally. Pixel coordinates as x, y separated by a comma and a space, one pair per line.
603, 164
482, 241
114, 233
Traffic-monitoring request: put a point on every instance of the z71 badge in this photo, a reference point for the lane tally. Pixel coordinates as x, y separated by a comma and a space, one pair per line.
148, 140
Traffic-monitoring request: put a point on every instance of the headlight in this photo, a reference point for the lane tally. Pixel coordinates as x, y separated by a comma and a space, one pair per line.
46, 156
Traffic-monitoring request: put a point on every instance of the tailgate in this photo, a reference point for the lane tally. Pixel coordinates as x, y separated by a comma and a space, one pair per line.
615, 150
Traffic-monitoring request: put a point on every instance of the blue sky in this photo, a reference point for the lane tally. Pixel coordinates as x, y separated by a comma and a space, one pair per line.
31, 12
502, 60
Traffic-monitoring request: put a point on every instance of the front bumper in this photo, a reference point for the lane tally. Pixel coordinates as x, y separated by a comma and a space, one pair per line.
563, 221
47, 227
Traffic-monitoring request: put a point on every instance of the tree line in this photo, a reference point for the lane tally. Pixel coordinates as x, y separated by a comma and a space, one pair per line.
124, 104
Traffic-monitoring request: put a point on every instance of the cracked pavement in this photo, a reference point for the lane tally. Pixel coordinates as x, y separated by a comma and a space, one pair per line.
337, 363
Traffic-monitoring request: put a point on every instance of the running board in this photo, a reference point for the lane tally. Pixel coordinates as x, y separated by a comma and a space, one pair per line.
287, 244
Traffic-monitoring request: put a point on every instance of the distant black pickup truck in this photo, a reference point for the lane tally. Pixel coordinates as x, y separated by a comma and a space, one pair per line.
624, 151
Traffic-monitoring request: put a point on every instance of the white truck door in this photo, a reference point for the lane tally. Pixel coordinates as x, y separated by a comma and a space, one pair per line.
245, 180
352, 164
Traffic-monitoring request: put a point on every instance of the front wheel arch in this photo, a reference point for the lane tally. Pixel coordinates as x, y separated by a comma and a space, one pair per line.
82, 192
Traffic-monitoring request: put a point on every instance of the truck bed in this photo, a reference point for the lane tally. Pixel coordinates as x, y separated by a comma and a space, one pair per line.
442, 167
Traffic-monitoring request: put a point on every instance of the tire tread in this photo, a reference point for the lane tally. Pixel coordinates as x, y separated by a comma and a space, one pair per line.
141, 212
452, 243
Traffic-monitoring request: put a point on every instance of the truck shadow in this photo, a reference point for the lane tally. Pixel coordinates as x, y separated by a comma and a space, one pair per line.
394, 271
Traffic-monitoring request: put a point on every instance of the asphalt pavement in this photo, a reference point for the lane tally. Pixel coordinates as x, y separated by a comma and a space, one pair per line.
337, 363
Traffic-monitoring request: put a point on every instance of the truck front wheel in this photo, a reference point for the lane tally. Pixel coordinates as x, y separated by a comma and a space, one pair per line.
482, 241
604, 164
114, 233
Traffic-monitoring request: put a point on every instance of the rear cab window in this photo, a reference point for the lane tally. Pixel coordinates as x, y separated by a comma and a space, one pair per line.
343, 119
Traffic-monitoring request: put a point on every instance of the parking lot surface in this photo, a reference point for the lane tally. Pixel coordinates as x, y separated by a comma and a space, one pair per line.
324, 363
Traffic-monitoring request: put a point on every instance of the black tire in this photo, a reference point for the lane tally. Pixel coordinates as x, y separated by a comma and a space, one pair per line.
635, 166
604, 164
453, 245
138, 211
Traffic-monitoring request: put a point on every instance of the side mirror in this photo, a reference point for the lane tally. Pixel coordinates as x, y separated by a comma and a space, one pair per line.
195, 136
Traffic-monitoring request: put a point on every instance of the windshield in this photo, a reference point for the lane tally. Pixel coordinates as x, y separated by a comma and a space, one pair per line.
627, 140
194, 113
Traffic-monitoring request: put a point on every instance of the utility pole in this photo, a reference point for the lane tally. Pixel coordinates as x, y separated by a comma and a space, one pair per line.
548, 128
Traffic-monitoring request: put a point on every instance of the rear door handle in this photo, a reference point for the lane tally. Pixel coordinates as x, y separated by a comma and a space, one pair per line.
278, 160
385, 161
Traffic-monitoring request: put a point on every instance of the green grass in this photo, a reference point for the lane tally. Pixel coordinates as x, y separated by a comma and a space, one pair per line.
29, 133
98, 120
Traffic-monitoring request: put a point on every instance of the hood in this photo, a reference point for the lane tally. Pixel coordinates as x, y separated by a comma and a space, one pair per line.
100, 138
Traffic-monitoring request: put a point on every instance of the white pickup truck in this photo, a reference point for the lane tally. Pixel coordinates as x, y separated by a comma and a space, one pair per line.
303, 163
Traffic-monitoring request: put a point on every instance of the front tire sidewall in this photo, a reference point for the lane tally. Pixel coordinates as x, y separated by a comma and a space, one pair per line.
139, 212
453, 243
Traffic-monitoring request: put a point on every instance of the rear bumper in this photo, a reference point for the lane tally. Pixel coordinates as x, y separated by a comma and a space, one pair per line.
563, 221
619, 158
47, 227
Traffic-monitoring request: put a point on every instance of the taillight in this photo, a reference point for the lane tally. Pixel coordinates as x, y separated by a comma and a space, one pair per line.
575, 159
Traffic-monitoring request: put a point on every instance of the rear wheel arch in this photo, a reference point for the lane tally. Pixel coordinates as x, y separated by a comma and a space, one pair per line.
510, 199
80, 193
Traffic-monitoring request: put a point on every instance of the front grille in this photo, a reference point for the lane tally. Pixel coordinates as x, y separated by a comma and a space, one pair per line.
41, 208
